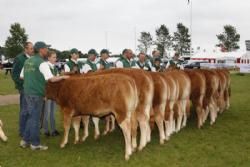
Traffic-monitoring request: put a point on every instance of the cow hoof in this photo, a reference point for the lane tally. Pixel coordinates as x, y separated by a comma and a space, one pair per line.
5, 139
105, 132
140, 148
161, 142
96, 137
167, 138
76, 142
126, 157
134, 149
62, 145
84, 138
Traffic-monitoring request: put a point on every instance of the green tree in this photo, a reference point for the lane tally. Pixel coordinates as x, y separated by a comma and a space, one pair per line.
163, 39
146, 41
65, 54
2, 50
181, 39
229, 39
15, 42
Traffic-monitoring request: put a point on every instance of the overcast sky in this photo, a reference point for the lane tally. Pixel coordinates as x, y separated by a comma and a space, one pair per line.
83, 23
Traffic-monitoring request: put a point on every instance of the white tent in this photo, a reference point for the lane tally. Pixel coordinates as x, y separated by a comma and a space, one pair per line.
217, 57
245, 58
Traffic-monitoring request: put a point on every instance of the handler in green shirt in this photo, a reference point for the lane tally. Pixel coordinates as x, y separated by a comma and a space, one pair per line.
103, 64
175, 63
90, 65
126, 60
142, 63
73, 65
36, 73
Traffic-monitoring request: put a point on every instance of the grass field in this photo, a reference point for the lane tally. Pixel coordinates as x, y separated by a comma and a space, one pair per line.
6, 84
227, 143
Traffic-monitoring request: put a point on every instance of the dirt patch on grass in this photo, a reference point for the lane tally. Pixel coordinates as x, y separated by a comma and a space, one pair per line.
9, 99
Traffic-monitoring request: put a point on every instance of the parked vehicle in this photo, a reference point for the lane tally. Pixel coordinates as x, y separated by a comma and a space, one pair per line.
194, 65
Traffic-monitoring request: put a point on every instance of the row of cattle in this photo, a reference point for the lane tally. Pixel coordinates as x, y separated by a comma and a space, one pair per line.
136, 98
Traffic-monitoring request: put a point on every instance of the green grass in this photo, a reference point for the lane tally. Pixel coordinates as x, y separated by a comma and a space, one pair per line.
227, 143
6, 84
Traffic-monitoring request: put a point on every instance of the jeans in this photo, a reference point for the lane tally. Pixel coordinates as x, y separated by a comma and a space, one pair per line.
23, 114
32, 129
49, 114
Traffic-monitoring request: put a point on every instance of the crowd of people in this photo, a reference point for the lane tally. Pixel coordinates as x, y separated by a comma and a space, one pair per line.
33, 68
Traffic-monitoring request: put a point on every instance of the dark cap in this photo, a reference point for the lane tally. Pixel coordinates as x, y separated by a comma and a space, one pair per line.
39, 45
92, 52
105, 51
74, 50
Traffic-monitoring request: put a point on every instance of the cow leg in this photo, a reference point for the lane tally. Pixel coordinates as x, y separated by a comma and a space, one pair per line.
112, 123
207, 111
199, 116
168, 119
213, 111
148, 132
143, 128
96, 124
107, 125
134, 126
185, 105
167, 130
227, 99
2, 135
85, 120
126, 129
180, 117
76, 126
66, 122
159, 120
199, 111
171, 124
150, 124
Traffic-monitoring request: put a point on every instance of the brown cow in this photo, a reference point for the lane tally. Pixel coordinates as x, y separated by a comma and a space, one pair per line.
222, 89
2, 135
145, 89
97, 96
227, 93
212, 86
184, 90
159, 103
198, 91
173, 95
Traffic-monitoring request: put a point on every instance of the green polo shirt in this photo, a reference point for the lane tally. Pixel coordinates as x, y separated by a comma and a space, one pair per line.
34, 81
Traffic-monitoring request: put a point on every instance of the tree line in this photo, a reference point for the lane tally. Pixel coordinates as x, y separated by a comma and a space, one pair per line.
179, 41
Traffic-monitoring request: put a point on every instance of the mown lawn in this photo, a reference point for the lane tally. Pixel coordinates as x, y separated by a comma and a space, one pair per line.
6, 84
227, 143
